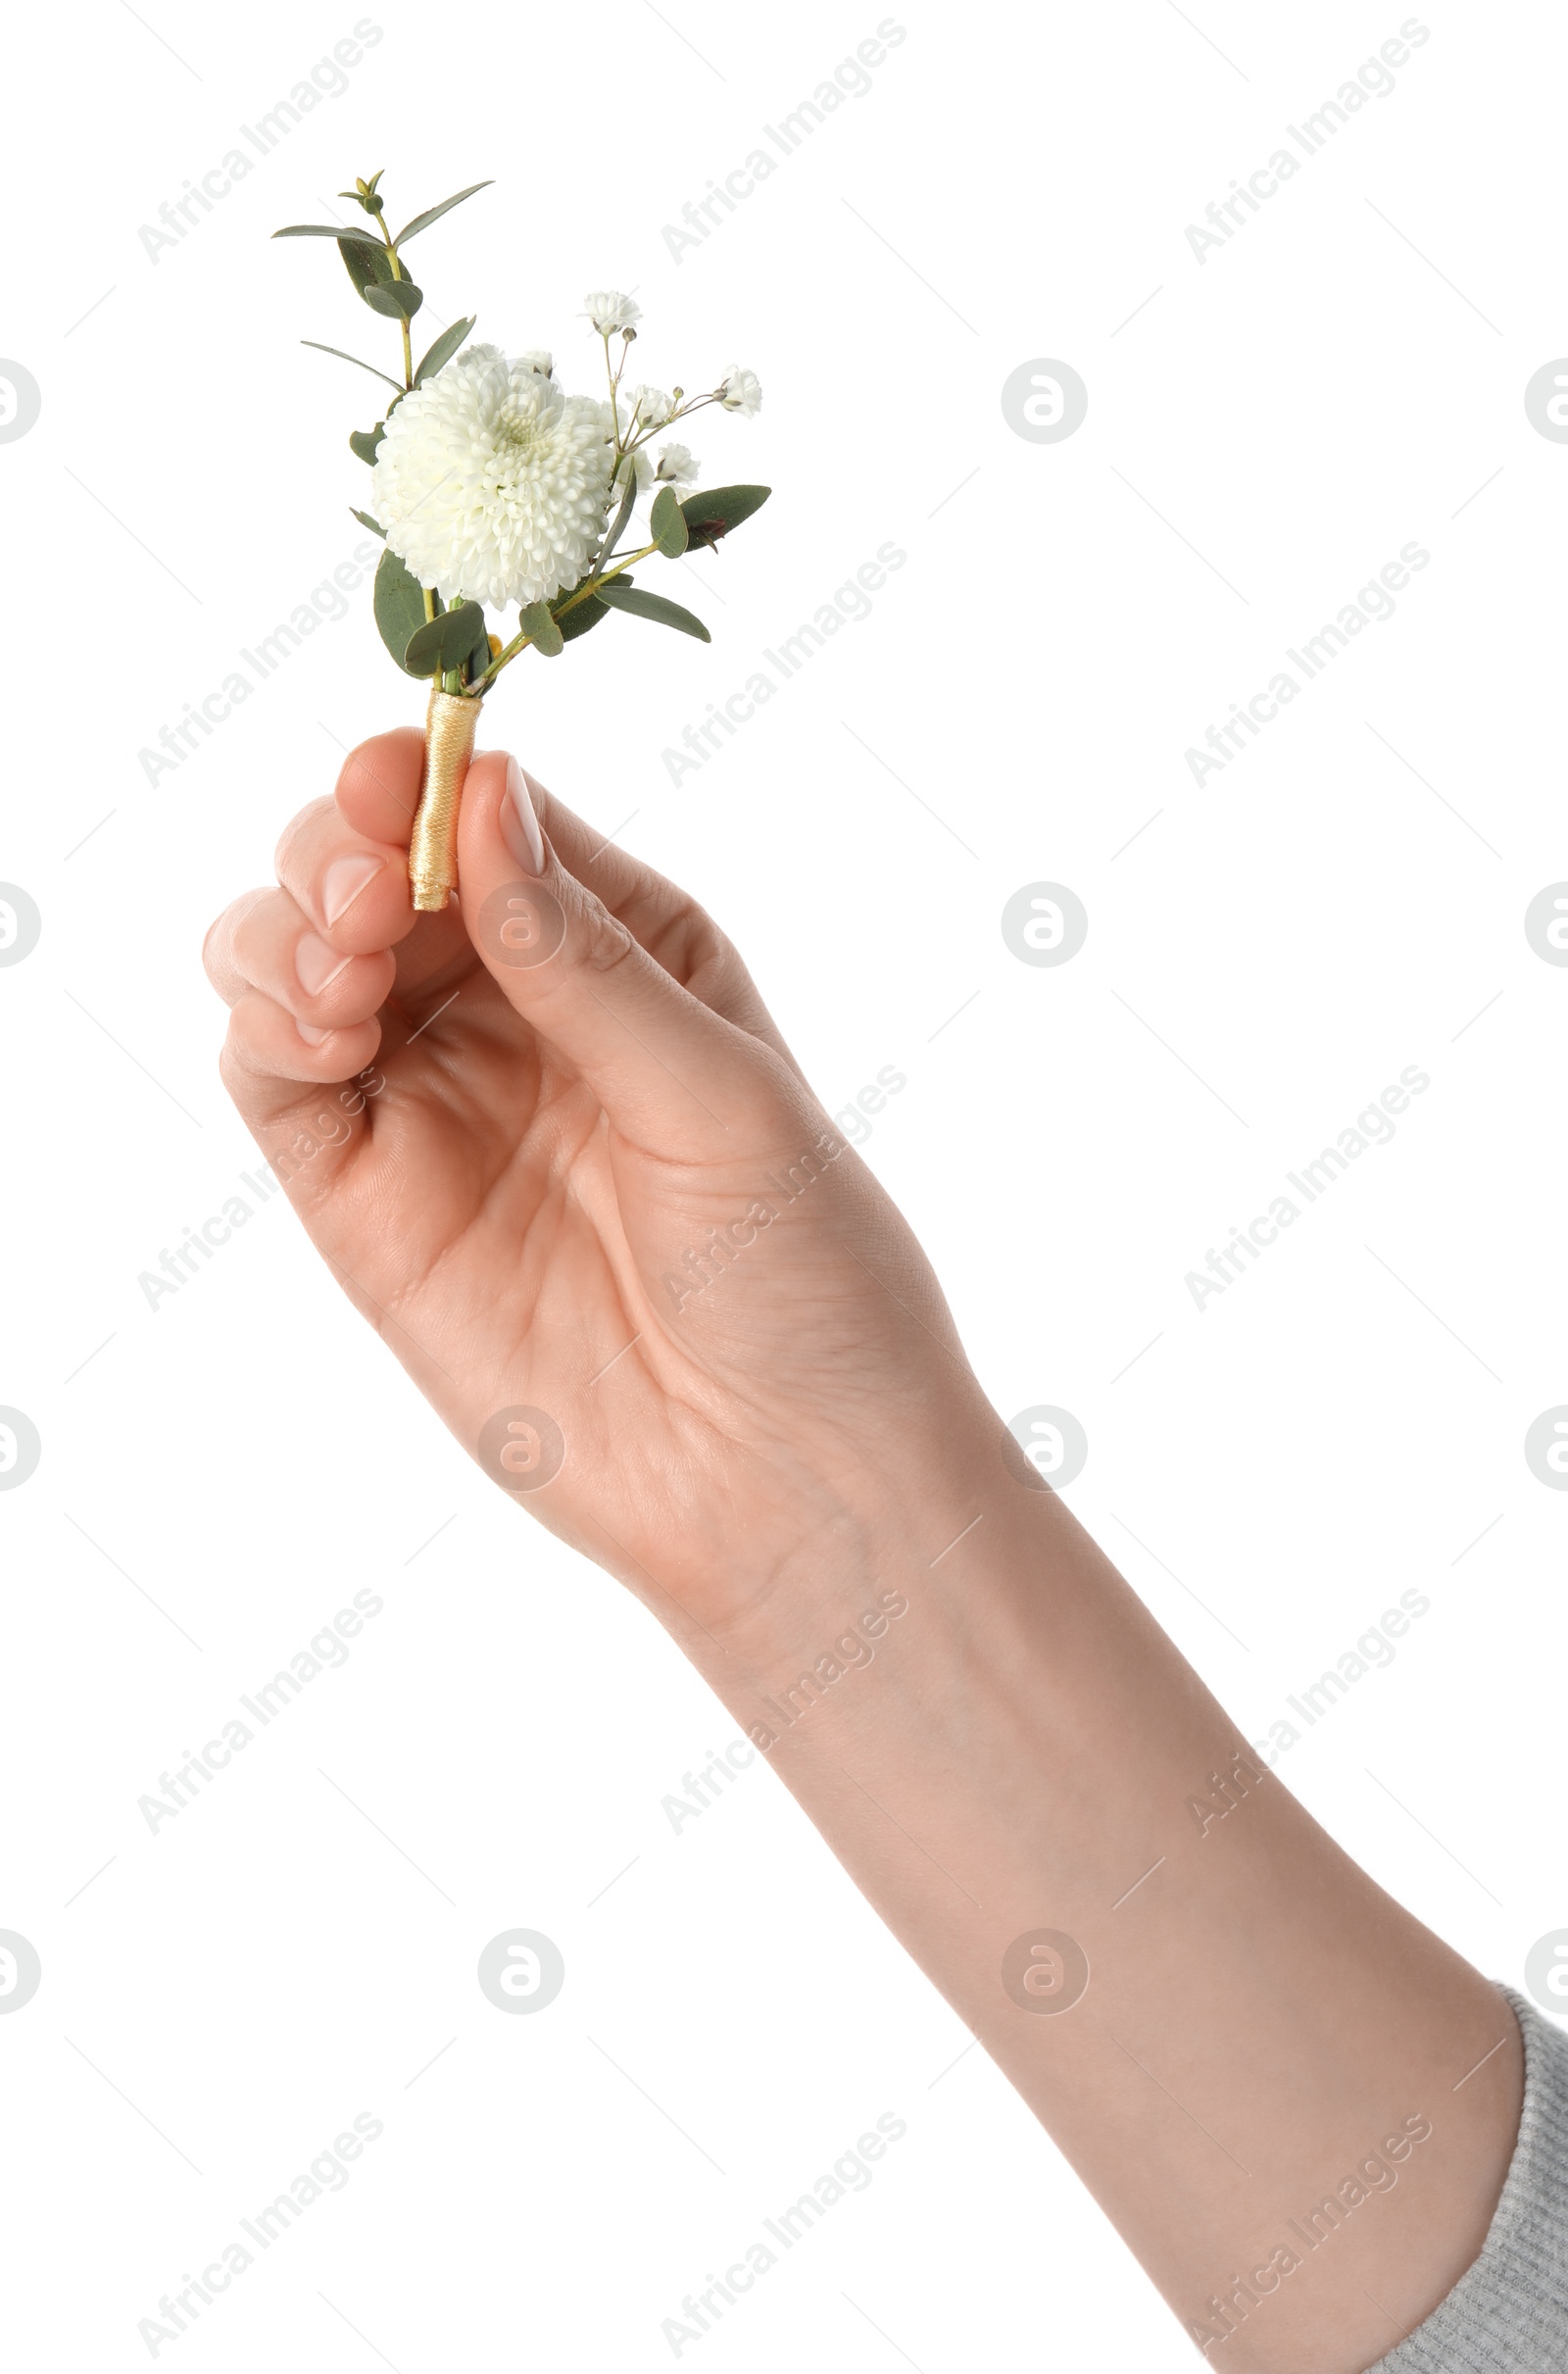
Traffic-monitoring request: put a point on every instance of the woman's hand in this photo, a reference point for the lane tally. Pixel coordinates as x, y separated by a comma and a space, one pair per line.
553, 1147
582, 1191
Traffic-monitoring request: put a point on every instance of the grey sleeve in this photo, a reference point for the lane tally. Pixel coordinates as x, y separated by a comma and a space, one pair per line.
1508, 2313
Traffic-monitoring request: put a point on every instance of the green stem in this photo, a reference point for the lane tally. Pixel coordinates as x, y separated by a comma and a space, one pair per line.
482, 683
398, 274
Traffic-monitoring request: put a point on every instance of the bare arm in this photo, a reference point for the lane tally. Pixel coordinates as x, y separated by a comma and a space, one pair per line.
588, 1200
1295, 2103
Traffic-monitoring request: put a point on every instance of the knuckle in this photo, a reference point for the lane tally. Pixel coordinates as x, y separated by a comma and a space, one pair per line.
606, 942
288, 840
211, 944
220, 958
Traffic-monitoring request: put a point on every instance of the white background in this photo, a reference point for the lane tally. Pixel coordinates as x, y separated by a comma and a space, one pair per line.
1266, 428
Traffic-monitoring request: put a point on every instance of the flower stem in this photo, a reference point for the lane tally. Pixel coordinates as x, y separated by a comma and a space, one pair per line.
398, 274
482, 683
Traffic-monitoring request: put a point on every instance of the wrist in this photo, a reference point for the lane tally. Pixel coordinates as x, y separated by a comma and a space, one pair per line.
937, 1528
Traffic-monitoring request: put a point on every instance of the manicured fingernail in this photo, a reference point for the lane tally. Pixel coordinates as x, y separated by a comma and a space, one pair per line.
342, 883
317, 964
519, 827
312, 1036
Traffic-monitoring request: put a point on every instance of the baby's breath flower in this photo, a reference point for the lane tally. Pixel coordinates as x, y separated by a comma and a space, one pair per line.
741, 391
609, 310
650, 407
679, 468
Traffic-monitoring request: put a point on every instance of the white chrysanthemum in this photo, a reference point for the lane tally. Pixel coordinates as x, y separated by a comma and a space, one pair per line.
679, 468
741, 391
491, 482
609, 310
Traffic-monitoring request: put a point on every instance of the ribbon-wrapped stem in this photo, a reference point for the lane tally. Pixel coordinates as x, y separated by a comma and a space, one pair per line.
450, 725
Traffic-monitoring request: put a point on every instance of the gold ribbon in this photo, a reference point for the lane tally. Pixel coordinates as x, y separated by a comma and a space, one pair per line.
450, 725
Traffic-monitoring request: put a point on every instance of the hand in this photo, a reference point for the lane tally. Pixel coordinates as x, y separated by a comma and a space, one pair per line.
561, 1098
554, 1148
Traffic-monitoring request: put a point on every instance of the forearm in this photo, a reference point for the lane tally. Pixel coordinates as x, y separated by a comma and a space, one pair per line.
1027, 1751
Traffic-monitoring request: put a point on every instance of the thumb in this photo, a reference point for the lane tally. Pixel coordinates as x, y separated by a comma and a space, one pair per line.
672, 1075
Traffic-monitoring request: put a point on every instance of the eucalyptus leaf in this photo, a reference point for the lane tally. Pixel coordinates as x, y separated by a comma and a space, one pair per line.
669, 524
433, 214
541, 629
621, 596
399, 300
446, 642
364, 519
365, 266
617, 526
585, 614
365, 442
329, 230
445, 347
713, 512
577, 622
399, 606
343, 358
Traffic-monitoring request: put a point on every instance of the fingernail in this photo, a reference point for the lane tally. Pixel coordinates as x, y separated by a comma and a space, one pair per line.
316, 965
342, 883
312, 1036
519, 827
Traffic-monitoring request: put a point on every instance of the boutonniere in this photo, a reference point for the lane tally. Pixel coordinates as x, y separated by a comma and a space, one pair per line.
496, 490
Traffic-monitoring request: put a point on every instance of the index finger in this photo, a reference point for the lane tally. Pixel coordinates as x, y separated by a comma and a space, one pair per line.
378, 791
378, 785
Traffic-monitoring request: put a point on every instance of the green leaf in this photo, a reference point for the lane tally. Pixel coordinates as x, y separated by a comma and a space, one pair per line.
668, 523
365, 442
621, 596
343, 358
399, 300
329, 230
399, 606
714, 511
446, 642
617, 528
364, 519
577, 622
433, 214
365, 266
445, 347
541, 629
